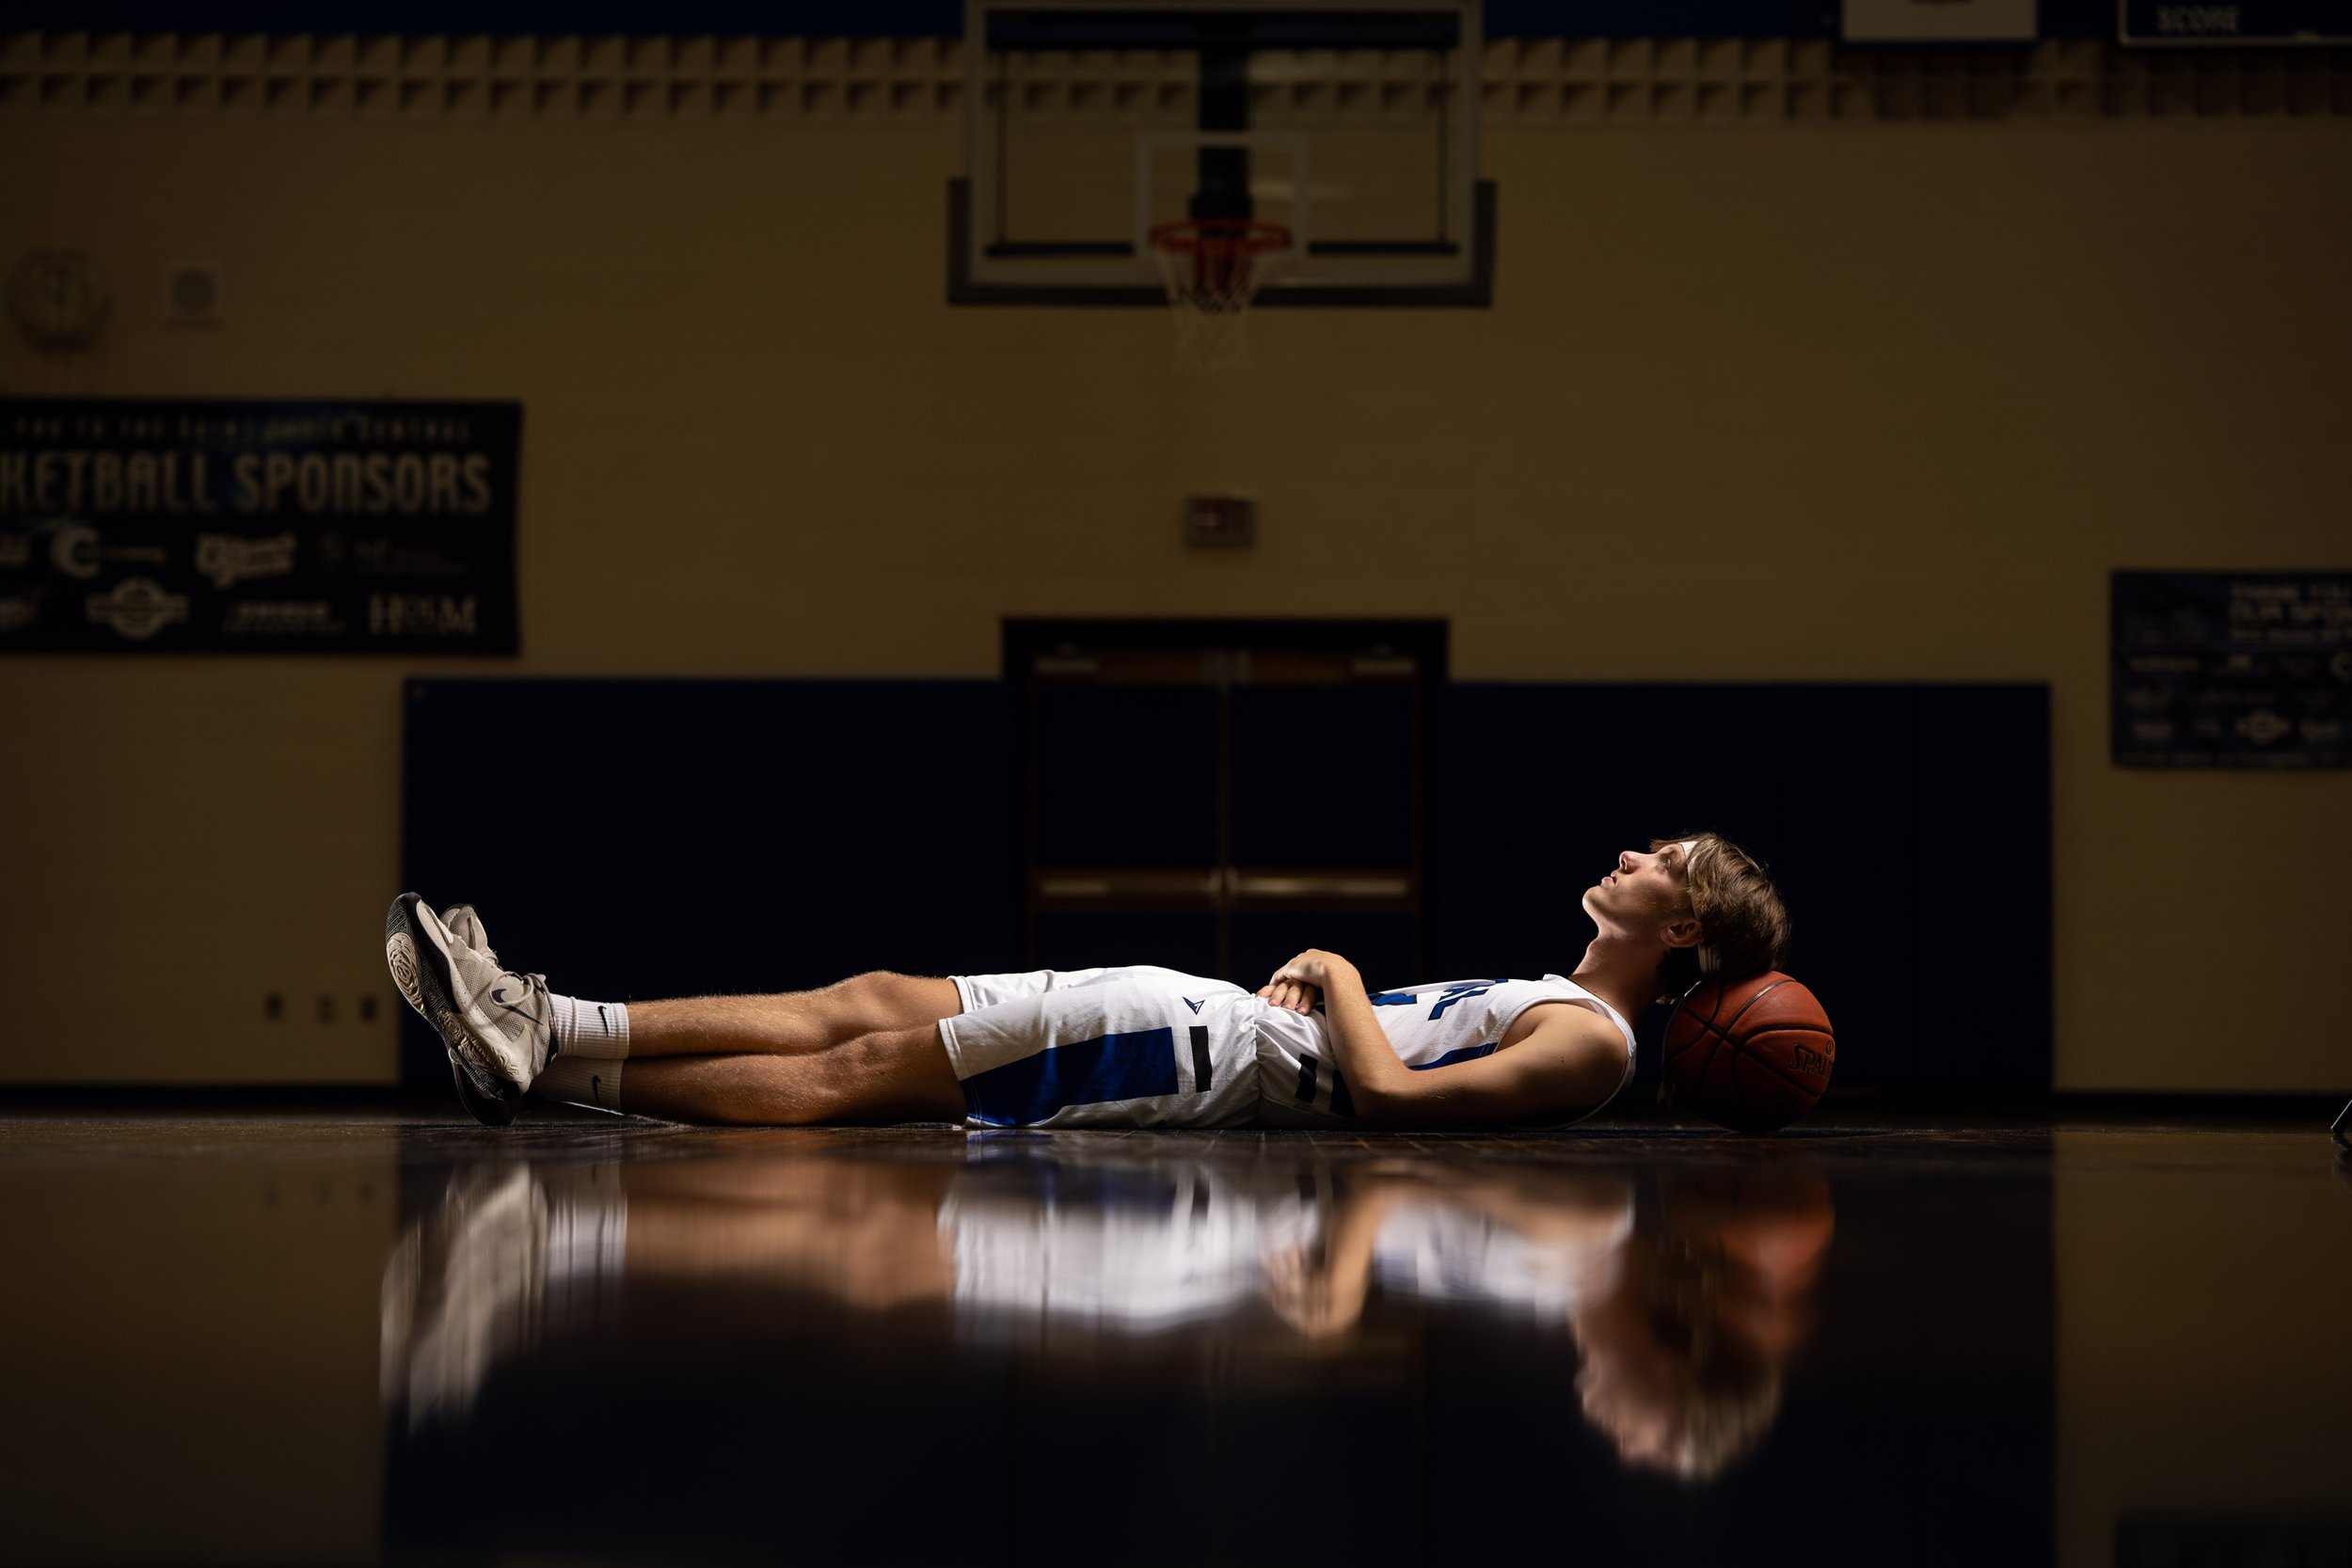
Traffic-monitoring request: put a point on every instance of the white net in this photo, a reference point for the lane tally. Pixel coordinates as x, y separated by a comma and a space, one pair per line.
1212, 268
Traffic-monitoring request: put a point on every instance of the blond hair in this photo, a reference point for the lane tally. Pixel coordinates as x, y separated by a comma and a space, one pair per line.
1743, 926
1722, 1393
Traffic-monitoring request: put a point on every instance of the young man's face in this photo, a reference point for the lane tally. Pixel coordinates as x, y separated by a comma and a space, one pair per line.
1645, 890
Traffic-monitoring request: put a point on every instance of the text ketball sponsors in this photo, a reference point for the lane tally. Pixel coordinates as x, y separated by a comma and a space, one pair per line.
2232, 669
222, 526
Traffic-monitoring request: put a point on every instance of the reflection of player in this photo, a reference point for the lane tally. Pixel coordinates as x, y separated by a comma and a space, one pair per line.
1530, 1243
1073, 1242
1130, 1047
516, 1251
1684, 1328
1119, 1242
1683, 1362
1024, 1244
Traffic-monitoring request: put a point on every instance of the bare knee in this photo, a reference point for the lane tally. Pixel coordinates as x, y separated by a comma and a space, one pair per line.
889, 1075
883, 999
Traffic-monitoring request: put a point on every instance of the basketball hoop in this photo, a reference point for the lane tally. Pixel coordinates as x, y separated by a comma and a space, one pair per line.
1212, 268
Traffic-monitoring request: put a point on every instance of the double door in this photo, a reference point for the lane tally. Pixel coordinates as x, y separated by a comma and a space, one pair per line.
1216, 796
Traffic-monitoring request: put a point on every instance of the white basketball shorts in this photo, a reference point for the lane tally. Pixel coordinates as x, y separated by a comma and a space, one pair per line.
1133, 1047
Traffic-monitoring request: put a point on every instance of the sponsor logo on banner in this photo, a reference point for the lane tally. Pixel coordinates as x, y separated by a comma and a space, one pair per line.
386, 556
18, 611
137, 607
420, 614
75, 550
229, 558
282, 617
2262, 726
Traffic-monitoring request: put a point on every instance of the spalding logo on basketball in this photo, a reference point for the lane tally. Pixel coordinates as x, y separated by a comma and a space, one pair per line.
1754, 1054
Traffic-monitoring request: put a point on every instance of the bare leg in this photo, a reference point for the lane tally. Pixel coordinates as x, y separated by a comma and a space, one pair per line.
891, 1075
865, 1230
787, 1024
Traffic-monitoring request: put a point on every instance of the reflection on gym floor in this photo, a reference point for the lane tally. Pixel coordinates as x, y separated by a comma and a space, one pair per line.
360, 1339
1681, 1323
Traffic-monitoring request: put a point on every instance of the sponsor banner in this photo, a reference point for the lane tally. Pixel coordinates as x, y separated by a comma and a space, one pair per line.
258, 526
2232, 669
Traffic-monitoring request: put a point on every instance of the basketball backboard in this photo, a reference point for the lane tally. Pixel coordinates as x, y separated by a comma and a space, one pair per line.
1353, 125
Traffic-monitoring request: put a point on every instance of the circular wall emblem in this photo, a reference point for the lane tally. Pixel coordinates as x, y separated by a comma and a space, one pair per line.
58, 299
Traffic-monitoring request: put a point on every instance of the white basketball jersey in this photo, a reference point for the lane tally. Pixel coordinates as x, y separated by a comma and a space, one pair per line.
1435, 1251
1428, 1026
1437, 1024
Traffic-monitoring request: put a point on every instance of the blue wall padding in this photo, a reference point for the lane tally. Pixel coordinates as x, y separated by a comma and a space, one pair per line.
1907, 826
647, 838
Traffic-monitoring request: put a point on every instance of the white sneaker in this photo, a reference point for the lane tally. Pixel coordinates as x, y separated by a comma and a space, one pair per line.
495, 1021
463, 1290
466, 926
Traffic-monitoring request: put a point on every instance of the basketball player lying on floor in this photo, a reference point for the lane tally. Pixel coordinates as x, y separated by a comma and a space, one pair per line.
1133, 1047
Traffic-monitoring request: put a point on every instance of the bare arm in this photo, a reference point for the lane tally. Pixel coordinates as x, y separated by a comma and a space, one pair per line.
1567, 1066
1323, 1297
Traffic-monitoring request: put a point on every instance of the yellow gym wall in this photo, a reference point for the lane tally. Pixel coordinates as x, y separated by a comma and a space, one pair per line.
2183, 1292
1798, 400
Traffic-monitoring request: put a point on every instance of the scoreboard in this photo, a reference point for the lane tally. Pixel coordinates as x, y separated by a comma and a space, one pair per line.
2269, 23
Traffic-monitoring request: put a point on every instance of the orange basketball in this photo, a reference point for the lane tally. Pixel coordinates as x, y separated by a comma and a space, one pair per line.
1754, 1054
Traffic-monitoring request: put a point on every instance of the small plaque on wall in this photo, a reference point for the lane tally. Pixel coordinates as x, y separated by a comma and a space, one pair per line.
1220, 520
218, 526
2232, 669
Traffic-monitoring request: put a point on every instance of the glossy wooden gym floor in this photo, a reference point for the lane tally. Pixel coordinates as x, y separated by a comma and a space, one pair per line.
380, 1336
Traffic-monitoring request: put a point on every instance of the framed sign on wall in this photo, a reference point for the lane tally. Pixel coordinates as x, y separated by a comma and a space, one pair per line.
218, 526
2232, 669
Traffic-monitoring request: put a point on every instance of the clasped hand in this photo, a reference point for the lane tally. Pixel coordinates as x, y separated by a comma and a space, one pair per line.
1299, 984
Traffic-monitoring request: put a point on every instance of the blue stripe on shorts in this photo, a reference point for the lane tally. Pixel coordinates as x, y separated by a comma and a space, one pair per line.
1134, 1066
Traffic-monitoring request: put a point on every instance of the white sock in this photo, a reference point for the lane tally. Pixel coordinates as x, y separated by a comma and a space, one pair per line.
598, 1029
570, 1080
587, 1243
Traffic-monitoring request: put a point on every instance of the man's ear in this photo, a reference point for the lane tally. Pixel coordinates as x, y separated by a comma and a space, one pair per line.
1682, 931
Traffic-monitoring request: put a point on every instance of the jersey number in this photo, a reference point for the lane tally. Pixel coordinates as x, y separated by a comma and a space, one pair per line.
1445, 998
